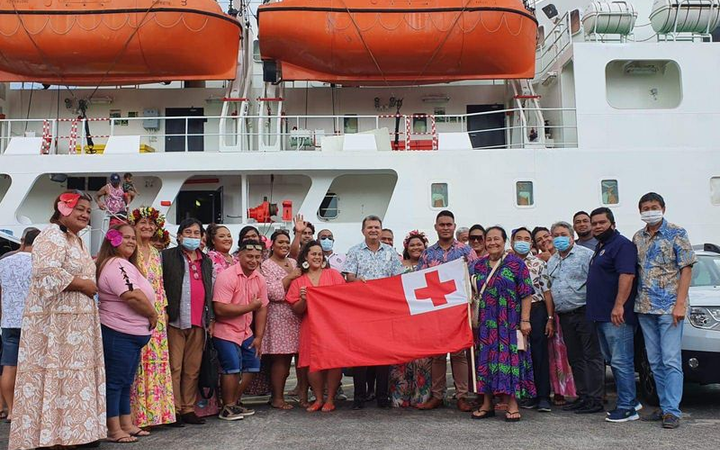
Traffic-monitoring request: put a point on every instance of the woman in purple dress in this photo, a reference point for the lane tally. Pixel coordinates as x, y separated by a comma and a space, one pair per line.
502, 367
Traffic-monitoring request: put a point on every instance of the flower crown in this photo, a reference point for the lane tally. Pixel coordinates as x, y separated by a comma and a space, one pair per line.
148, 212
414, 234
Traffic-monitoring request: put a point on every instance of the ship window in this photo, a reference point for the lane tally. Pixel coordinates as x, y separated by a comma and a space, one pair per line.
715, 191
540, 37
329, 207
524, 195
610, 194
256, 51
575, 21
350, 124
643, 84
420, 124
439, 195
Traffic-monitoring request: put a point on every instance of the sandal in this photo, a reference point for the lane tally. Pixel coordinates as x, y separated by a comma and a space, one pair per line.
314, 407
140, 433
482, 414
500, 406
513, 419
559, 400
123, 440
327, 407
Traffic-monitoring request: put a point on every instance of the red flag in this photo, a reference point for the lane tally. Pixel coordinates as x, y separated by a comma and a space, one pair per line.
391, 320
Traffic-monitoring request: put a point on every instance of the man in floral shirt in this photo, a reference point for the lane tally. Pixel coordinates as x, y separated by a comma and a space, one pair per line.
447, 249
665, 260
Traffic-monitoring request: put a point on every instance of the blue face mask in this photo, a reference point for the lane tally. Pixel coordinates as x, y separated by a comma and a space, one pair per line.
521, 247
190, 244
326, 244
562, 243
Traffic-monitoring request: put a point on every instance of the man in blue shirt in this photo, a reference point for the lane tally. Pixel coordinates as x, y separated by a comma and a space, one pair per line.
665, 260
610, 303
567, 271
370, 260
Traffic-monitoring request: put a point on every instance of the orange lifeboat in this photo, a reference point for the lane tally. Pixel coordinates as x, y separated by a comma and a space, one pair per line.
371, 42
107, 42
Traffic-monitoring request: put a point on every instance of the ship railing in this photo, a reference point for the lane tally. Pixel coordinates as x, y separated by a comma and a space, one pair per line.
488, 129
553, 45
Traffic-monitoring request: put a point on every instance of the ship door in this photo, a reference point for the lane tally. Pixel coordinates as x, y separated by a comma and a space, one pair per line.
206, 206
184, 135
488, 121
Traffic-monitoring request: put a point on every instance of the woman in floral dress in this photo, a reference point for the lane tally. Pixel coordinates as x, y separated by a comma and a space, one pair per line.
151, 397
60, 388
219, 243
502, 368
410, 383
282, 329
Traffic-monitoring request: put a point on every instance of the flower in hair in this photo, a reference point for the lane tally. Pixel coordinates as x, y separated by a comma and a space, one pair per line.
414, 234
115, 238
148, 212
67, 203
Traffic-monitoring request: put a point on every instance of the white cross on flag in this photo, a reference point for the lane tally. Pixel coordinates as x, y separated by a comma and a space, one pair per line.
437, 288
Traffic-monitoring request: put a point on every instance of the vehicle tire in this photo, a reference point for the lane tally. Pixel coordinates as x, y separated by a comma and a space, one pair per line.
647, 388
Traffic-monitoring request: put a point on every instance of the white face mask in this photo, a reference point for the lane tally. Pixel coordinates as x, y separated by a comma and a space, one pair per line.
651, 217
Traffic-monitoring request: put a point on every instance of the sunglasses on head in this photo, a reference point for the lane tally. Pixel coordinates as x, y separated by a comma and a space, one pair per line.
251, 247
476, 238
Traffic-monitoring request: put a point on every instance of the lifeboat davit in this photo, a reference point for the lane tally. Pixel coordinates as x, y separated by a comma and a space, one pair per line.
370, 42
108, 42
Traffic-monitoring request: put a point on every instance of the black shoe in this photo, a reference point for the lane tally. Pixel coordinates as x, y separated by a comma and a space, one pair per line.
544, 406
530, 403
178, 422
670, 421
383, 403
577, 404
358, 403
193, 419
591, 407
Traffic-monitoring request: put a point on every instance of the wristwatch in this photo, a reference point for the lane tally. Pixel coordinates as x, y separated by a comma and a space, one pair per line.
551, 317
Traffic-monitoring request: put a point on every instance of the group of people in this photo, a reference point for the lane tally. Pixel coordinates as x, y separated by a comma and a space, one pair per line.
111, 347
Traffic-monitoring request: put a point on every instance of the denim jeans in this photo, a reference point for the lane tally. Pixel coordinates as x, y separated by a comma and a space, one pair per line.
122, 356
663, 342
617, 345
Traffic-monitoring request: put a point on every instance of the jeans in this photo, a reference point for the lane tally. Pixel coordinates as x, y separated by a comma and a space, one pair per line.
617, 345
122, 356
584, 354
539, 350
663, 342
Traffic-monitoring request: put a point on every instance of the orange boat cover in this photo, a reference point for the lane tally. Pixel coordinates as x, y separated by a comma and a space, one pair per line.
108, 42
365, 42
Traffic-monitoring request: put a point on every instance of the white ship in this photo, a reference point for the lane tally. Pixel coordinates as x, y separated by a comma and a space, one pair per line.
620, 104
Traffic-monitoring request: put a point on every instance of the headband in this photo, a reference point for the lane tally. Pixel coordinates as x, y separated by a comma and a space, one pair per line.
67, 202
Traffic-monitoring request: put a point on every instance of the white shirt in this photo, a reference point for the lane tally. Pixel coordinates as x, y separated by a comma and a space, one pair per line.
15, 275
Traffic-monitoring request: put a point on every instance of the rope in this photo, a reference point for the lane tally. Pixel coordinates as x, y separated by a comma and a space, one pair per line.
362, 39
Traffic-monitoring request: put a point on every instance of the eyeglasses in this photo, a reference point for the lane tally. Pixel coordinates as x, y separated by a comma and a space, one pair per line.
252, 247
476, 238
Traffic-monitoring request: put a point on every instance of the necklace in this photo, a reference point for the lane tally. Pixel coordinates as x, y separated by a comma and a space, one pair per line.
194, 267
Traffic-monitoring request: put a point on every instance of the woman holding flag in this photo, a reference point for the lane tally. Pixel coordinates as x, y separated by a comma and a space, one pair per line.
315, 272
504, 366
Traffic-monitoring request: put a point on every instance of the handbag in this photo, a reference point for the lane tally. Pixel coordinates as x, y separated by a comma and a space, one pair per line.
475, 310
208, 379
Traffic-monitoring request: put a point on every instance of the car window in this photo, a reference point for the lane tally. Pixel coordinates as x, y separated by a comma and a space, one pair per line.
706, 272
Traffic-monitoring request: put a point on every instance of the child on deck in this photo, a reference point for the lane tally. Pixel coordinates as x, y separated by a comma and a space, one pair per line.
129, 191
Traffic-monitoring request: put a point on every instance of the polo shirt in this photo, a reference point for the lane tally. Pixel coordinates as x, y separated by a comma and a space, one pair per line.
616, 256
233, 287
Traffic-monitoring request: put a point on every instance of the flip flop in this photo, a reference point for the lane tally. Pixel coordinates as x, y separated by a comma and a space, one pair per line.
513, 419
327, 407
314, 407
482, 414
123, 440
140, 433
285, 406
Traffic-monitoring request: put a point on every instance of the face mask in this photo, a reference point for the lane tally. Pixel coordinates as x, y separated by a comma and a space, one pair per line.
651, 217
326, 244
605, 235
562, 243
521, 247
190, 244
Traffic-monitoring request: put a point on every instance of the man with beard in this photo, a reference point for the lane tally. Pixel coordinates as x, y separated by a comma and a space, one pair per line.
583, 229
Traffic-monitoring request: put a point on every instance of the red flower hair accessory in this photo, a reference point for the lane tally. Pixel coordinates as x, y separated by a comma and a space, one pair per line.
415, 234
68, 201
115, 238
148, 212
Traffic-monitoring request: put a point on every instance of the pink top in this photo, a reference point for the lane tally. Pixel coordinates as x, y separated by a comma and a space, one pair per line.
328, 277
219, 261
118, 277
197, 292
233, 287
274, 275
114, 201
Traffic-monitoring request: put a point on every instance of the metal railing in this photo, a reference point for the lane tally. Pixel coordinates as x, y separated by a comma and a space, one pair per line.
553, 45
295, 133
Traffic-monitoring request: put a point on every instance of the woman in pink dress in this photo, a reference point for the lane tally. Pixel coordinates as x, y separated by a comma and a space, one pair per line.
219, 243
315, 272
282, 329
